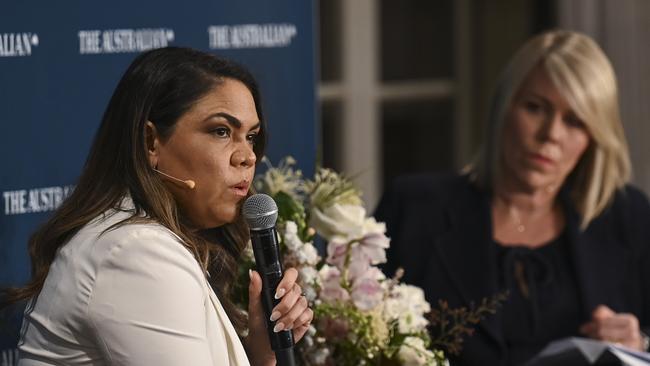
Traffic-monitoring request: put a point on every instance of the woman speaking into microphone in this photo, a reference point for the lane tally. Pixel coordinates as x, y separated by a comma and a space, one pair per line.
136, 266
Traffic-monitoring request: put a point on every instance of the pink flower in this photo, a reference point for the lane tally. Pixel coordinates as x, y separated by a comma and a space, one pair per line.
367, 292
358, 266
336, 250
331, 289
372, 248
369, 250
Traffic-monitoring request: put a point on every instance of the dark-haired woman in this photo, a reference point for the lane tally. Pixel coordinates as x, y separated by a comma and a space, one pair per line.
123, 273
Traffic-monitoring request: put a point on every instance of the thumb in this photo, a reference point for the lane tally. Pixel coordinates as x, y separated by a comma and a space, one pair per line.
602, 312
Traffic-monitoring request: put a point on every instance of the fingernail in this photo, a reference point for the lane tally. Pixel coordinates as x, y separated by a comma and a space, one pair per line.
250, 274
279, 293
278, 327
275, 316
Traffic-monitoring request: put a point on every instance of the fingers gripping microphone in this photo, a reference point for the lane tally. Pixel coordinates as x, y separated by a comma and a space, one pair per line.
261, 212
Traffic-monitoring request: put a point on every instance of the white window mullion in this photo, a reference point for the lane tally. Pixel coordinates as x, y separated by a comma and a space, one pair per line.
331, 91
361, 135
416, 90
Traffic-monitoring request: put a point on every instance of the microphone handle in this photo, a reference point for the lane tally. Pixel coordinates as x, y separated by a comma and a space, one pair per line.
267, 254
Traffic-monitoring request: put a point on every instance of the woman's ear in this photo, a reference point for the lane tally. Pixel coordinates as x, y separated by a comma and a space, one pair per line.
152, 142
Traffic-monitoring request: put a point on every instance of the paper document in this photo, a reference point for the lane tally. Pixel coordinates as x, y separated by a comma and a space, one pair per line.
583, 351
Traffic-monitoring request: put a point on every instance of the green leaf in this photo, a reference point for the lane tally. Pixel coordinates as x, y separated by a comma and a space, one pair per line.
288, 208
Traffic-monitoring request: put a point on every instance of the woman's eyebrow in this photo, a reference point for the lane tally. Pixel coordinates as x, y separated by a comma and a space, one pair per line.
232, 120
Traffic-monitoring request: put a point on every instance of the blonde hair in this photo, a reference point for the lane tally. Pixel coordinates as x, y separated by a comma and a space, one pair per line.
584, 76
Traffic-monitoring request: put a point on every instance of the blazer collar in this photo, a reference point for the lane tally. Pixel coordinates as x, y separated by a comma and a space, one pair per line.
467, 244
236, 353
595, 251
468, 254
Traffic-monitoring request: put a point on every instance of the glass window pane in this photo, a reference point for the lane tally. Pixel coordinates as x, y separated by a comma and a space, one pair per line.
417, 136
331, 146
330, 40
416, 39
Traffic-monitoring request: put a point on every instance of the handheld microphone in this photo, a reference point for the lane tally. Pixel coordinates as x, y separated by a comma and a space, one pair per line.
186, 183
261, 213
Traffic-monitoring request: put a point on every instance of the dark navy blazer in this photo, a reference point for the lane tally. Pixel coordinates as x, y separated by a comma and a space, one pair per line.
441, 234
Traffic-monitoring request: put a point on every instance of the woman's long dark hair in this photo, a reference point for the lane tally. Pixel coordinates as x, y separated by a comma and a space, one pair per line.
159, 86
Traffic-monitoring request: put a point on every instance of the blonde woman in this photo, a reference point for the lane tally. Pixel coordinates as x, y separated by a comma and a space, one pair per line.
545, 212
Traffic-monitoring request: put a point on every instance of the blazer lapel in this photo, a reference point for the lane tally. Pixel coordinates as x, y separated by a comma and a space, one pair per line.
236, 352
468, 255
599, 261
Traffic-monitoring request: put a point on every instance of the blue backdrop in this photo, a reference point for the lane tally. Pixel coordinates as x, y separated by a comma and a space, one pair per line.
60, 63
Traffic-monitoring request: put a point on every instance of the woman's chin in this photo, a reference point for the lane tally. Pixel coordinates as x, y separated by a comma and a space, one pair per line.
224, 219
534, 181
214, 219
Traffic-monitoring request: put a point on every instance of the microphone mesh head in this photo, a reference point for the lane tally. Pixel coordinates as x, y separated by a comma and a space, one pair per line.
260, 211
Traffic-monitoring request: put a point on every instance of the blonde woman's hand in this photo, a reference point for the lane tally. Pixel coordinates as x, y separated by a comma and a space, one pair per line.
291, 313
607, 325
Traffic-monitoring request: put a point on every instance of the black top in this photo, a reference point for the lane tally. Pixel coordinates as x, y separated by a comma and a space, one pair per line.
542, 302
441, 234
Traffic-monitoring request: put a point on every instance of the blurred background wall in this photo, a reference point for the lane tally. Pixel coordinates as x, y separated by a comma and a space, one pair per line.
404, 85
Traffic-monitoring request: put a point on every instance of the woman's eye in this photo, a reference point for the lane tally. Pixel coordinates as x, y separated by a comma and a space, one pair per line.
252, 138
221, 131
574, 121
532, 107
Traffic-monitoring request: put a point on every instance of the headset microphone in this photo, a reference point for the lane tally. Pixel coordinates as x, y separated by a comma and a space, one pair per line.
186, 183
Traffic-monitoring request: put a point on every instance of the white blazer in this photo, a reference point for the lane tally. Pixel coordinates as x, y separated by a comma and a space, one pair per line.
131, 296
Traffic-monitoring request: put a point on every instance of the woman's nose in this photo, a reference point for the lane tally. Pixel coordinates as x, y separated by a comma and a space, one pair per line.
243, 156
554, 127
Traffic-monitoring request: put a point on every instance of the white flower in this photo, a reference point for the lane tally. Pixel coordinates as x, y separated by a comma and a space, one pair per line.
308, 254
320, 355
309, 278
282, 178
290, 227
291, 239
310, 294
407, 304
308, 341
309, 275
328, 188
370, 225
414, 353
338, 220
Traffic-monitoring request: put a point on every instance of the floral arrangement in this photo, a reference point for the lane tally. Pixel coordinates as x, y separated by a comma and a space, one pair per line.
360, 316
